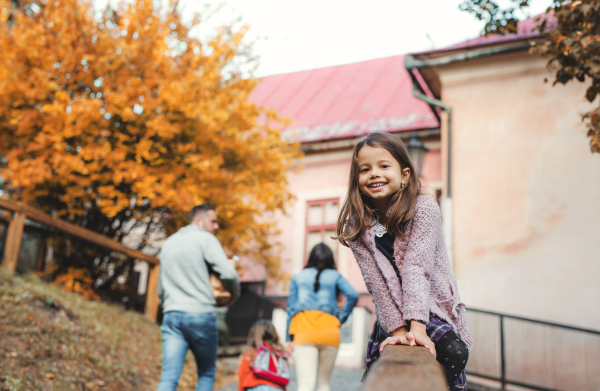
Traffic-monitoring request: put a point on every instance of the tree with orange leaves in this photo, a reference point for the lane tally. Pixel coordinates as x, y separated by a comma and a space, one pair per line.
122, 122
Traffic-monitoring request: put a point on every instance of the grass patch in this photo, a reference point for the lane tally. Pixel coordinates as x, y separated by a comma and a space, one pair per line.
54, 340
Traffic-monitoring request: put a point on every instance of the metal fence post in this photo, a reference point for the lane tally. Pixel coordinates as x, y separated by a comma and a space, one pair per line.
502, 358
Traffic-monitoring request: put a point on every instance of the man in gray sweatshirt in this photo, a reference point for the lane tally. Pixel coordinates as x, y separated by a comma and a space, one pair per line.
190, 321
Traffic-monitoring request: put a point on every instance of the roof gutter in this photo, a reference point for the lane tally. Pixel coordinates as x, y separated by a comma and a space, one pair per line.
412, 62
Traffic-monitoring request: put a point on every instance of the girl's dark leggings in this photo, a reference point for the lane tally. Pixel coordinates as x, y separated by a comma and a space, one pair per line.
452, 353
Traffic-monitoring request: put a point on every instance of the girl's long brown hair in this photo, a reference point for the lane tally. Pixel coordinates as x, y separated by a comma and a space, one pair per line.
358, 210
262, 331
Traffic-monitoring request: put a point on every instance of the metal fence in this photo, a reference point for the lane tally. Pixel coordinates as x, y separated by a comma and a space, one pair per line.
533, 354
514, 350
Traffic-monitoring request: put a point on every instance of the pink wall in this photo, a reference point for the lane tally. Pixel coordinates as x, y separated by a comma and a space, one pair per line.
525, 191
432, 166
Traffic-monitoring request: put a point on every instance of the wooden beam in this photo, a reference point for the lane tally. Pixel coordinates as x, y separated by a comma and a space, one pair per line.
14, 238
151, 309
74, 230
408, 367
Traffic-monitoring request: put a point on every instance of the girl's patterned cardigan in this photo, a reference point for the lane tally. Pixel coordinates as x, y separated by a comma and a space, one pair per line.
428, 284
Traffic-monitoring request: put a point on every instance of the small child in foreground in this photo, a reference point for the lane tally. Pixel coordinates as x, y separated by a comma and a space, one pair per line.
269, 371
395, 233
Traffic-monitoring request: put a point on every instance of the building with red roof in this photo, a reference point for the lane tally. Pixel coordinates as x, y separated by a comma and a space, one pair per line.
521, 188
330, 109
508, 158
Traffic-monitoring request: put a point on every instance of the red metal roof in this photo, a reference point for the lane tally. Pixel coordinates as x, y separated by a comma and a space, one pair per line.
525, 30
346, 100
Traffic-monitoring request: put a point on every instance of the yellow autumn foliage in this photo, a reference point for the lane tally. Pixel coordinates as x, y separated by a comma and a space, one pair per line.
128, 117
78, 281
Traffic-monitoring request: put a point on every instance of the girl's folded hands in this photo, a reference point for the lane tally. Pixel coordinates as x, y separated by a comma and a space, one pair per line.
416, 336
398, 338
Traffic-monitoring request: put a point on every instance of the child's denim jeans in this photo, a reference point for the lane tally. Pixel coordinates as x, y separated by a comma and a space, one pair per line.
182, 331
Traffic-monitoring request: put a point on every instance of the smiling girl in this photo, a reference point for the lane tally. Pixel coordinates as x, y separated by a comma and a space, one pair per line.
395, 233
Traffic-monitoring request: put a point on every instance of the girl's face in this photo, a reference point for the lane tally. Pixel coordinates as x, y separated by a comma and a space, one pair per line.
379, 174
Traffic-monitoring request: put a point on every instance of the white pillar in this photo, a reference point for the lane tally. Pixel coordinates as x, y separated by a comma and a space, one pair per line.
352, 354
280, 322
142, 268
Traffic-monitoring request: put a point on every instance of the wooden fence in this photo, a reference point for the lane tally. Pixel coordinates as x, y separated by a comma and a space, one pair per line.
14, 237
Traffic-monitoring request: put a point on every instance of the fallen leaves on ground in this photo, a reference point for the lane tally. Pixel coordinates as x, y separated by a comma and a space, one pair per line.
54, 340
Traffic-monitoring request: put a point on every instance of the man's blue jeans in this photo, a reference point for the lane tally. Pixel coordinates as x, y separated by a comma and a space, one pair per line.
182, 331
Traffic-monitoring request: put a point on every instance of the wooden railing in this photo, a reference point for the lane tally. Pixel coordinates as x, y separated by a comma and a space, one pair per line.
15, 235
405, 368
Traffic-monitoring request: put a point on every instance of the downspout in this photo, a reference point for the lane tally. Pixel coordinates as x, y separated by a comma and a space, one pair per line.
446, 200
433, 102
412, 64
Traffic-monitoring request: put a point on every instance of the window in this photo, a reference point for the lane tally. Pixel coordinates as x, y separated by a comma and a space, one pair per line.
321, 220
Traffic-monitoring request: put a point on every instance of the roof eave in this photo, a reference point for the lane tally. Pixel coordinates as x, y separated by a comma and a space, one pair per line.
441, 58
350, 142
426, 62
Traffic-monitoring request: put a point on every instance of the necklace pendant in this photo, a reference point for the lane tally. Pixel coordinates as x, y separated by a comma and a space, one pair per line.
380, 230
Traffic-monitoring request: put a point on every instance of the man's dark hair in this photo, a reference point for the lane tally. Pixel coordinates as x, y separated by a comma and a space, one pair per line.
199, 209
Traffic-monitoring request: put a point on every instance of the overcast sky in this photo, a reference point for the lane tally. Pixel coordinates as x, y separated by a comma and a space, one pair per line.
308, 34
291, 35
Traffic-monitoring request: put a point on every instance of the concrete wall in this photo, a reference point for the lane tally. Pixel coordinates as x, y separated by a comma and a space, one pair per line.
526, 191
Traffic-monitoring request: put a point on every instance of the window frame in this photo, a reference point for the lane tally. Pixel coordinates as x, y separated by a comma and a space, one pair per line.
319, 228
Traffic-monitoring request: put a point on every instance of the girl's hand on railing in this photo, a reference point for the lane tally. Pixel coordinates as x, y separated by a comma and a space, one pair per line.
398, 338
418, 336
